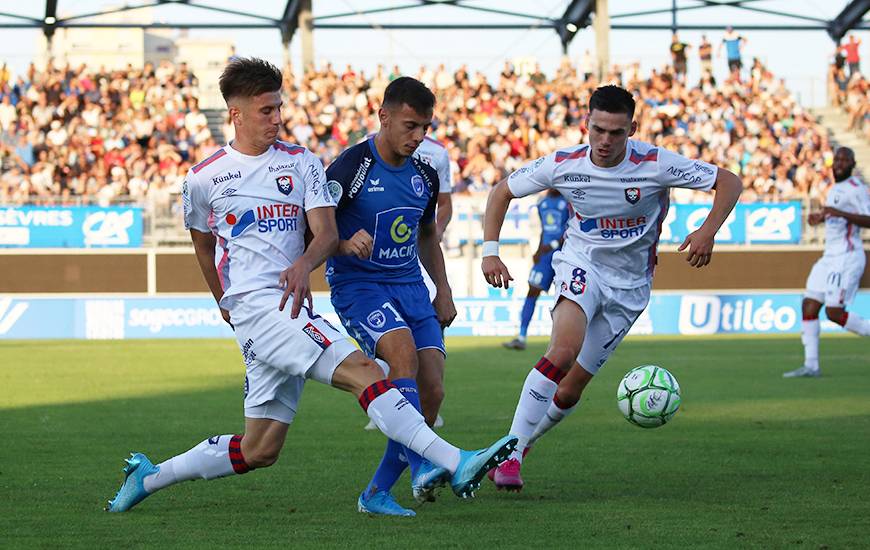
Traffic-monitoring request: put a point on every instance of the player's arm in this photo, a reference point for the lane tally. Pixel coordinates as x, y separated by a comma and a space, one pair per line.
497, 204
443, 213
203, 247
857, 219
429, 247
296, 279
700, 242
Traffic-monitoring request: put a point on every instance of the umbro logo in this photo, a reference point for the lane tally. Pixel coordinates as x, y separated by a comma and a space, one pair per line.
228, 191
9, 313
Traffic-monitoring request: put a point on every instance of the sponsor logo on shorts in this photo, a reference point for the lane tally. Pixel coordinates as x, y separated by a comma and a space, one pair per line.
319, 338
377, 319
248, 354
577, 286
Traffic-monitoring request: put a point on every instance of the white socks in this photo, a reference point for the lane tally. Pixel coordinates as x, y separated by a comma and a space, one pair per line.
538, 392
554, 415
399, 420
810, 338
210, 459
855, 323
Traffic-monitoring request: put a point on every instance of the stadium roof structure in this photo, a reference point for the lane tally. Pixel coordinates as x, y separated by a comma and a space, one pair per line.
578, 14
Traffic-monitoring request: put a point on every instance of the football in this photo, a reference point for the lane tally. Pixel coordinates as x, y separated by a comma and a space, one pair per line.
648, 396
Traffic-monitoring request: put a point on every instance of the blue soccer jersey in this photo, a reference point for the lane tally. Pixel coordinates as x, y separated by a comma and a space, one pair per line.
390, 203
554, 218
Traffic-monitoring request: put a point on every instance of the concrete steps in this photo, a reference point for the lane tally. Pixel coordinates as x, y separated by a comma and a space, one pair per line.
216, 119
836, 122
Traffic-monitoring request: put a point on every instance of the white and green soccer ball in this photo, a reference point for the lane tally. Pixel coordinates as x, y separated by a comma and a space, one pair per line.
648, 396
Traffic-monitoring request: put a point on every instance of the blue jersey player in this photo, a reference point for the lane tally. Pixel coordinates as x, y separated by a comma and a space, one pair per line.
386, 218
555, 213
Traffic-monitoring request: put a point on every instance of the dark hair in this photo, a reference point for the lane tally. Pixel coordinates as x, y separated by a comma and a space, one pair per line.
612, 99
248, 77
411, 92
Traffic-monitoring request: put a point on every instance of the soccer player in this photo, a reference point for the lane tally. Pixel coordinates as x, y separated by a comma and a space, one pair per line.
433, 153
554, 213
618, 188
386, 216
252, 202
835, 276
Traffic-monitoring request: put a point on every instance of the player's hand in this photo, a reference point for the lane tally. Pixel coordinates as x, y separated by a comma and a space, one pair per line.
495, 272
815, 218
830, 211
360, 245
445, 309
295, 280
700, 244
226, 315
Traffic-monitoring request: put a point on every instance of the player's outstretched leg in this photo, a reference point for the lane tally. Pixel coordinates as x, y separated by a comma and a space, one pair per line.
215, 457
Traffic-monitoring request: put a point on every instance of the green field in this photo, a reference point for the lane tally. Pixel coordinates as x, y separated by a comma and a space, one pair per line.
750, 461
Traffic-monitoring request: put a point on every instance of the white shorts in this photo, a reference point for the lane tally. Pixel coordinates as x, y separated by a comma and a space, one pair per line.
280, 353
834, 280
610, 311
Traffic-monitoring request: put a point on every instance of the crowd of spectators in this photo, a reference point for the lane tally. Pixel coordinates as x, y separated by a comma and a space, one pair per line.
68, 133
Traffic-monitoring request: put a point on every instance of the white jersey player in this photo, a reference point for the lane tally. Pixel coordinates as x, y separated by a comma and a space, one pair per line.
619, 191
834, 278
253, 201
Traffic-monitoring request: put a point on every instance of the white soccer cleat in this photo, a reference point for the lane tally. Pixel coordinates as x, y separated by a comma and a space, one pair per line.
803, 372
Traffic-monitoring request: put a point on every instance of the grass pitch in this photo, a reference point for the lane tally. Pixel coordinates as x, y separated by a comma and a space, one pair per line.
751, 459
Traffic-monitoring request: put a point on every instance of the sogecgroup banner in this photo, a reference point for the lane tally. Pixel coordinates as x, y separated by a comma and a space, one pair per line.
70, 227
114, 317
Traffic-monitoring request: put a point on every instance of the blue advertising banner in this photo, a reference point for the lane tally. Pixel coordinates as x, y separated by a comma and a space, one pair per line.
70, 227
23, 317
765, 223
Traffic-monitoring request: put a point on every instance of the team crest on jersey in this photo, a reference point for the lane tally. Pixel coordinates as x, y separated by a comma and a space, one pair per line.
285, 184
632, 195
418, 185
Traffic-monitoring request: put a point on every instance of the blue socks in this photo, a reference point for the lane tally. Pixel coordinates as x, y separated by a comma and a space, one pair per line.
526, 316
396, 457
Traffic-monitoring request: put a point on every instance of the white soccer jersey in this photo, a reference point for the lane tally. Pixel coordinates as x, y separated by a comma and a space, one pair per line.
435, 155
255, 206
841, 236
618, 211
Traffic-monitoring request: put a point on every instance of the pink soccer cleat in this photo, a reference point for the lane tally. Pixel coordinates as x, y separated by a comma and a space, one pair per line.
491, 474
507, 476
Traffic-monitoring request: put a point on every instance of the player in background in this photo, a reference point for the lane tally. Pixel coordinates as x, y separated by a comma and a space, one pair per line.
618, 189
433, 153
554, 212
386, 216
254, 199
835, 276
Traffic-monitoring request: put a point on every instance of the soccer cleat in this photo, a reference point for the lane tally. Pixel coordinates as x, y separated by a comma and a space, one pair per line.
516, 344
429, 477
439, 422
491, 474
507, 476
803, 372
132, 491
473, 465
382, 503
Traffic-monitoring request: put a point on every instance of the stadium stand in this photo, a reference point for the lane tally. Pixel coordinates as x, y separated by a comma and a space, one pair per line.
79, 135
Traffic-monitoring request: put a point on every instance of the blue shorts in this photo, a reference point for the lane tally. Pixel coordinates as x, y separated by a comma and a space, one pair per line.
369, 310
542, 273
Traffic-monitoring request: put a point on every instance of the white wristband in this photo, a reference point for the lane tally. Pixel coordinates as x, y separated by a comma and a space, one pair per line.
490, 248
554, 244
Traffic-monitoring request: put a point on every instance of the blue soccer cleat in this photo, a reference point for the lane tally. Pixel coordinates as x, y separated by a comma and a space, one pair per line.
429, 477
382, 503
132, 492
473, 465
